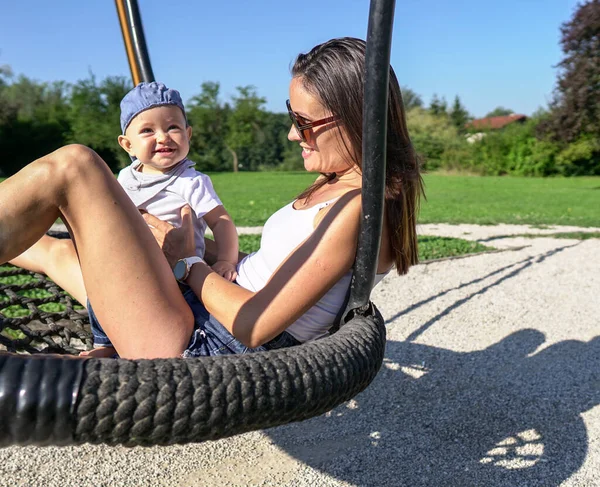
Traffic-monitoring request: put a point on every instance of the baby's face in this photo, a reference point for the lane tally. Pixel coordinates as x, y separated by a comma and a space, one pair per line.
158, 138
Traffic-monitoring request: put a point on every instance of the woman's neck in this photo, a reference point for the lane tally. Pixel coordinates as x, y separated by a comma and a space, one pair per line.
336, 187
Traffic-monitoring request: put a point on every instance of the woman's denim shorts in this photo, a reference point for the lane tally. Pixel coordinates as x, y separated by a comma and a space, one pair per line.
209, 336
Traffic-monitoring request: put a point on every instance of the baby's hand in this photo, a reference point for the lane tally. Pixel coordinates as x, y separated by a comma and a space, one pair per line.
225, 269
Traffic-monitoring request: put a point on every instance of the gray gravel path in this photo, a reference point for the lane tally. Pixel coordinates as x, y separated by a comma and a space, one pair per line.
491, 378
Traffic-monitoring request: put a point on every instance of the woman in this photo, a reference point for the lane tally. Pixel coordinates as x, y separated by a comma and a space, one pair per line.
288, 292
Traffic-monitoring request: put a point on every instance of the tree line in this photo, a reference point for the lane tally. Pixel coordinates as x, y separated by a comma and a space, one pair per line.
38, 117
240, 134
563, 139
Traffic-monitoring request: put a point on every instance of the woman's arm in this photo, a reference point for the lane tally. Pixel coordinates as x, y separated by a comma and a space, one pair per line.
300, 281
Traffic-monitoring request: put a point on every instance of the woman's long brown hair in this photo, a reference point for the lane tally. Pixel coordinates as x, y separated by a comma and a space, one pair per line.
334, 73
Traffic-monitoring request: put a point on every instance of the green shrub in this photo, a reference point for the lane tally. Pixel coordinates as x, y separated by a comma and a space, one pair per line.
580, 158
432, 135
490, 154
458, 157
515, 150
534, 157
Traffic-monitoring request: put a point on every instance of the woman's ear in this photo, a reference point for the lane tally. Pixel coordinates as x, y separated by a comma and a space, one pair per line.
125, 143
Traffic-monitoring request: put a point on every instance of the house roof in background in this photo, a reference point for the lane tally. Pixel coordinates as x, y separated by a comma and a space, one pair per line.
496, 122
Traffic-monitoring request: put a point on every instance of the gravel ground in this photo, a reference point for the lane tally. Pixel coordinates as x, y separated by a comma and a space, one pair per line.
491, 378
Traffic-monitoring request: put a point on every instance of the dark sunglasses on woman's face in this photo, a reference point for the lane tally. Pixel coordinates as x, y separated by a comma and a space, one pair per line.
302, 126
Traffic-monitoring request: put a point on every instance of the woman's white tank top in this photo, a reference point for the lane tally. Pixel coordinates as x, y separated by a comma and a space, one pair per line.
283, 232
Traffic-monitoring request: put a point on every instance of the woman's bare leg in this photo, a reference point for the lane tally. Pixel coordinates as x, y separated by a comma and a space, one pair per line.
57, 258
126, 276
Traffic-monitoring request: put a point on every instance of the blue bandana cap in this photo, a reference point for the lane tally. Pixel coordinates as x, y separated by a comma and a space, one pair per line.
145, 96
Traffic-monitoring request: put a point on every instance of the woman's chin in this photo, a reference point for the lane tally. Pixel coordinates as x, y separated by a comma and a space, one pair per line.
311, 164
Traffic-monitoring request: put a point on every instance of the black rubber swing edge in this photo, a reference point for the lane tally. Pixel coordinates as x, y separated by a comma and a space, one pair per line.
55, 400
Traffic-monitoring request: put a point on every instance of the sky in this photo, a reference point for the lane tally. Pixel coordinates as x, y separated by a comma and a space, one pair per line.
488, 53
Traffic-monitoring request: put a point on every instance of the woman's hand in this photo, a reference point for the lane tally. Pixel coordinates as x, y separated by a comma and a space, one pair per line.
176, 243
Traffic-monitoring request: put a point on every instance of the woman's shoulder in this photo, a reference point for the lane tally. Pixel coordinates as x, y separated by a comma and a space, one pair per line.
344, 207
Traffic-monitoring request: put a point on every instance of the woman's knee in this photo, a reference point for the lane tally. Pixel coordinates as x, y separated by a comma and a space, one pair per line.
74, 163
179, 340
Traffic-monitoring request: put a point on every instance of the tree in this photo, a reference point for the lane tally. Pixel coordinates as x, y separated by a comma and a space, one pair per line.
30, 100
245, 126
33, 120
95, 117
438, 107
208, 118
411, 99
499, 112
459, 115
576, 105
269, 151
5, 76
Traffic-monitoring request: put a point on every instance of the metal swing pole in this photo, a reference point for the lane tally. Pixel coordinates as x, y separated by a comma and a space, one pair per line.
135, 42
377, 73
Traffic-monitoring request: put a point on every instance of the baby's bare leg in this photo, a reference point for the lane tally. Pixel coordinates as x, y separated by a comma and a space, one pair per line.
126, 276
99, 352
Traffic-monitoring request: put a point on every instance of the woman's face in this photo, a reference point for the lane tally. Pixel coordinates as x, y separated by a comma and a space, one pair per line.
323, 151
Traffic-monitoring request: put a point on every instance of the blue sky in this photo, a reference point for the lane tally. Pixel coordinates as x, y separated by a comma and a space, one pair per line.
488, 53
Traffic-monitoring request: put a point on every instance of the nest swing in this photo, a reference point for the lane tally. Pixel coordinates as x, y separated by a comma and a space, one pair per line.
48, 397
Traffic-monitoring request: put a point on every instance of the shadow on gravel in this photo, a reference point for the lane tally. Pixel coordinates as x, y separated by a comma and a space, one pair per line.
503, 416
512, 270
499, 237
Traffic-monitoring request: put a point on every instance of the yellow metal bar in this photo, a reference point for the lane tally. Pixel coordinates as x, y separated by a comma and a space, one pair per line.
133, 66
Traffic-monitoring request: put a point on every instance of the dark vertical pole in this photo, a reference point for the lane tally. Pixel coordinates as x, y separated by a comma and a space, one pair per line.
135, 42
377, 69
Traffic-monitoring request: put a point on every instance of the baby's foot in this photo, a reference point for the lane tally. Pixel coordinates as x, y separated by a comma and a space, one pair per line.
99, 352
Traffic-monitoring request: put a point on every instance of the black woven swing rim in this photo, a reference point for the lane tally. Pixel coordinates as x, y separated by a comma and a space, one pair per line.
53, 400
57, 400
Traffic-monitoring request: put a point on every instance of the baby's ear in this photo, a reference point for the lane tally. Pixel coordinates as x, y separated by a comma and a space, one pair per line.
188, 129
125, 143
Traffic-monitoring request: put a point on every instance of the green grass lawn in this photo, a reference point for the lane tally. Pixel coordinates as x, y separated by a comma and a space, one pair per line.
251, 197
492, 200
441, 247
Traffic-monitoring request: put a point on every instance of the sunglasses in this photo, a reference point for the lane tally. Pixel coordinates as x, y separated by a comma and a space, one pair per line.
302, 126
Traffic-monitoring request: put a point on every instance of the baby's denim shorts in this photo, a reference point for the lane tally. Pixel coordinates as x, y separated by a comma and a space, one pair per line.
209, 336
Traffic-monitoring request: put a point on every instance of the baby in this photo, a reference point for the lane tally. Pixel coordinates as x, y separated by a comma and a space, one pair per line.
161, 180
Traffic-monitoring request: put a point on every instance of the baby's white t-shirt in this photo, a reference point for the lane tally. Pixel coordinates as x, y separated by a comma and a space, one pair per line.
163, 195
